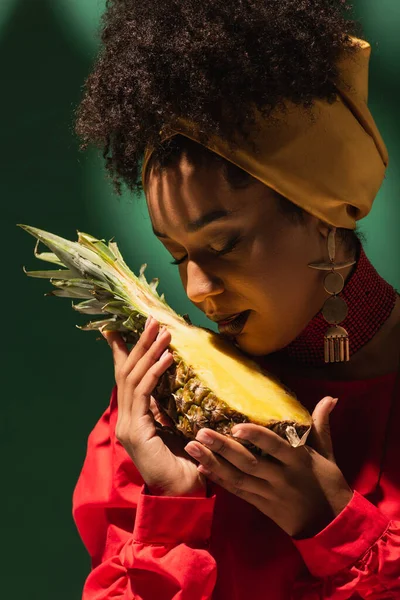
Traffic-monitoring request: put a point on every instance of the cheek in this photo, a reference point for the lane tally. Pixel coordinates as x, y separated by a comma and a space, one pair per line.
283, 301
279, 262
287, 294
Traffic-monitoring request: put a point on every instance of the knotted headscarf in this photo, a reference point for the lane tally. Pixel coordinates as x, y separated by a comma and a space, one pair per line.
330, 161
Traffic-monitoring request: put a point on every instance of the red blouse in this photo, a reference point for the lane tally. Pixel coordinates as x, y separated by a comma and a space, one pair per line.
160, 548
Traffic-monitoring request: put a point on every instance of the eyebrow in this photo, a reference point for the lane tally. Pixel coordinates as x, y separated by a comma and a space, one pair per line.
204, 220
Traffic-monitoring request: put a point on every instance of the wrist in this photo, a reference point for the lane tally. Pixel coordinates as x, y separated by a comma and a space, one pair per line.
323, 518
197, 492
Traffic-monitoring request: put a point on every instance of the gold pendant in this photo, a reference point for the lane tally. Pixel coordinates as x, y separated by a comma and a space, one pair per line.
335, 310
326, 266
336, 345
333, 283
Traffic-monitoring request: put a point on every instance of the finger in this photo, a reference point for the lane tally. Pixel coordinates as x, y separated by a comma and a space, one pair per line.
147, 337
133, 370
260, 502
125, 362
238, 482
159, 416
265, 439
156, 345
143, 391
239, 456
118, 347
321, 439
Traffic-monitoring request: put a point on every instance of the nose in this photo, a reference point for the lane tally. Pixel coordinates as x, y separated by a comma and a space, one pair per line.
200, 284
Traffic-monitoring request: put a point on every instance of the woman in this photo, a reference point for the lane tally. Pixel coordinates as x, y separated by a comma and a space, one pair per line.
260, 155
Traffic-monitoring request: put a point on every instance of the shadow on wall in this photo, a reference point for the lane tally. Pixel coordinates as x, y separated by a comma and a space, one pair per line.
44, 419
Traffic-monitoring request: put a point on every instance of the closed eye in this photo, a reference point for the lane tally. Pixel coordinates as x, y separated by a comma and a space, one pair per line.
228, 248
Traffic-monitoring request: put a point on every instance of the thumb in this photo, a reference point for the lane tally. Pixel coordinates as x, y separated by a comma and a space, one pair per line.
321, 431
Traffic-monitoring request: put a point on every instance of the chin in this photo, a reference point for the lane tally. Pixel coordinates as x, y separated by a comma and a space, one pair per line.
253, 346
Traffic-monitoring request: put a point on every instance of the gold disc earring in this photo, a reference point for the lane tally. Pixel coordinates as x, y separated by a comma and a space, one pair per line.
334, 311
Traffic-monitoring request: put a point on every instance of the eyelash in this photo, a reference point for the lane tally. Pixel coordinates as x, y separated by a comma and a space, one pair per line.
230, 246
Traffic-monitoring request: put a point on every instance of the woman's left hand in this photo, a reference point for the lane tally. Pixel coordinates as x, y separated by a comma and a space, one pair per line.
302, 489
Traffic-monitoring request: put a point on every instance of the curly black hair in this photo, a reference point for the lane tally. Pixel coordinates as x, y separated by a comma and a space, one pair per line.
210, 61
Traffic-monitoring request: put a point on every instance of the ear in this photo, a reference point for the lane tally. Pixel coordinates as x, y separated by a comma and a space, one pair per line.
324, 229
318, 227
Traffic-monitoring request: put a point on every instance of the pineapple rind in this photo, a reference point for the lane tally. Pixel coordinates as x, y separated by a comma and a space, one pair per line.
191, 406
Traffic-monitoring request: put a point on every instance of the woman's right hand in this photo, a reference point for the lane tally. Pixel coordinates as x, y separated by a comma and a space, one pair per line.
160, 458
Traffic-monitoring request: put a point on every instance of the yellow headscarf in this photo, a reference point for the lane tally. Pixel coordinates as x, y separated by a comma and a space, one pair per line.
332, 164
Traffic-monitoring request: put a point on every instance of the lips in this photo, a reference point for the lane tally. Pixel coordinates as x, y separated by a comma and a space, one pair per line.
222, 317
227, 320
235, 325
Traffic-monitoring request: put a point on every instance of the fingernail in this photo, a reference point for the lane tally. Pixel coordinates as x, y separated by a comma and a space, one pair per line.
194, 451
148, 320
204, 438
160, 333
333, 404
240, 434
164, 353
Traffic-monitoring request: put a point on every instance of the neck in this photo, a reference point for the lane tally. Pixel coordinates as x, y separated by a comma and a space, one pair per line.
373, 325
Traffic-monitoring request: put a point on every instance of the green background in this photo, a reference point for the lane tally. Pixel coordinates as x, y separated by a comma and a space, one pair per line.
53, 394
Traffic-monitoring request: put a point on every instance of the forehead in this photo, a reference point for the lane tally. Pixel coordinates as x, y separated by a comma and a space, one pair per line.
184, 193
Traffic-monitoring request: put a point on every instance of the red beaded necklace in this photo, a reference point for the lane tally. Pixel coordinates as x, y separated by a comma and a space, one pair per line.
370, 300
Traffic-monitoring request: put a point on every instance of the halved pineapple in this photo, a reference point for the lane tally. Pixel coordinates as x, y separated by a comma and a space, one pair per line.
211, 383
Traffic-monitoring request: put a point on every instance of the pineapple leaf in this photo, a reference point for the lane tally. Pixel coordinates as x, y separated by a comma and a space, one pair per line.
118, 307
81, 283
133, 322
73, 255
60, 274
71, 292
98, 246
105, 325
89, 307
115, 250
154, 283
96, 271
90, 284
47, 256
104, 296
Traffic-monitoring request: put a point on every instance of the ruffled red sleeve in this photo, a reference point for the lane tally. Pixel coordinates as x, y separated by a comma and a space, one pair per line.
142, 547
357, 553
